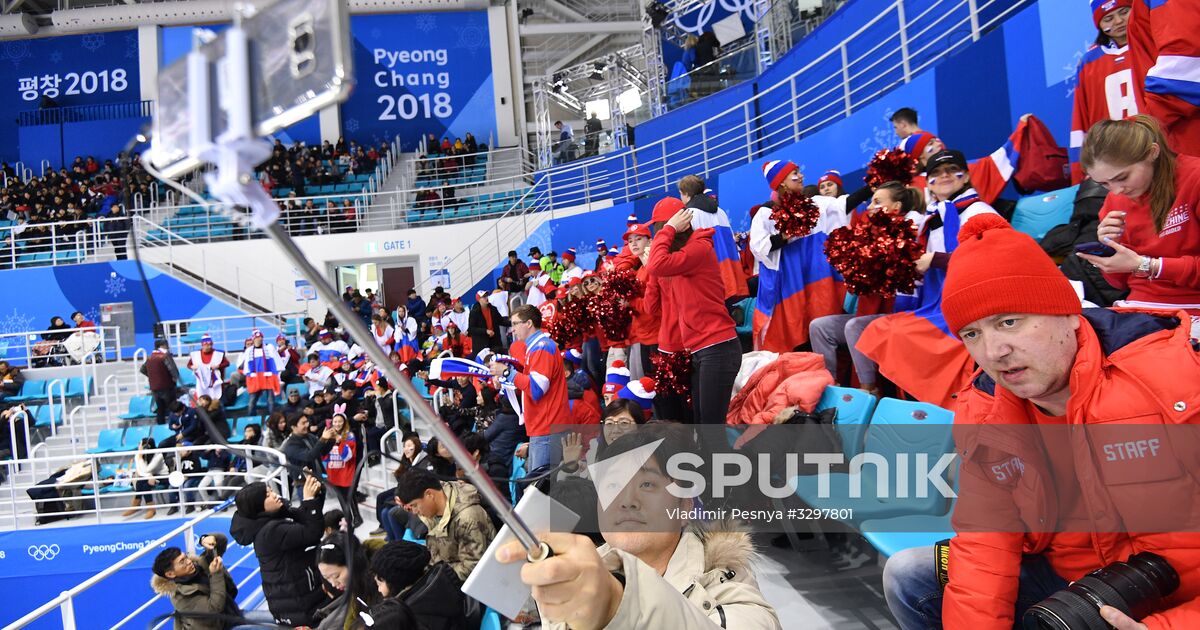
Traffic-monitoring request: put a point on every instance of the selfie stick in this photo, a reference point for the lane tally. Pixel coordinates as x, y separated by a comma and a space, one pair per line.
235, 154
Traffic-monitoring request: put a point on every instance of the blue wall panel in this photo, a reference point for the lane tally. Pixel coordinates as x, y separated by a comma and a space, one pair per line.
37, 294
973, 103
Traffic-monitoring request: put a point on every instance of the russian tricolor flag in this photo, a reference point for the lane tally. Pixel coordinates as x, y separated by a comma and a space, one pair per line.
728, 257
804, 288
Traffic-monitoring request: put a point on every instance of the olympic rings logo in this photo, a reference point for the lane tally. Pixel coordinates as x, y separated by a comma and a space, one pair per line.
43, 552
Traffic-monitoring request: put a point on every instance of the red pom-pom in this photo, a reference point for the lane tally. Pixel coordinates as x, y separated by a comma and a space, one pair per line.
572, 322
795, 214
890, 165
622, 283
613, 315
877, 255
673, 374
981, 223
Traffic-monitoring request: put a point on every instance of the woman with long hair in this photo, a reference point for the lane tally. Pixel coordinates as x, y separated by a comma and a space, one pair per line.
830, 332
1149, 215
277, 431
340, 463
346, 577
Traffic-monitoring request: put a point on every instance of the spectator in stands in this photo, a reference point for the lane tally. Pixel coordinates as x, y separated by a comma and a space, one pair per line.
184, 424
542, 383
685, 264
1104, 87
677, 574
904, 122
830, 333
352, 589
287, 360
340, 462
459, 528
12, 379
304, 450
220, 462
484, 325
149, 473
564, 148
118, 230
514, 273
277, 425
448, 199
216, 413
285, 541
188, 462
197, 590
81, 322
1146, 217
260, 365
399, 571
1046, 362
163, 375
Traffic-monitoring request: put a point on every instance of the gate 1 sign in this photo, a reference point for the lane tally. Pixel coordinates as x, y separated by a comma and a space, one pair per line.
73, 70
421, 73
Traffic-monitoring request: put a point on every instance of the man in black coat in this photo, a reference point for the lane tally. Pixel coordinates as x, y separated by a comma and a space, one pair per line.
285, 541
483, 325
303, 449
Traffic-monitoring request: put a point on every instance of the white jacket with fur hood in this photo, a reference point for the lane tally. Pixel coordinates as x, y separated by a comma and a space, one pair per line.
708, 584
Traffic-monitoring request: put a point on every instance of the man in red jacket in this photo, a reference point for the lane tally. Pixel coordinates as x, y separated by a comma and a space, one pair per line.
1053, 481
543, 382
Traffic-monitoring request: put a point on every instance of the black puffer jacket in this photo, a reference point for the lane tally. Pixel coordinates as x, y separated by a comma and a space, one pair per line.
286, 546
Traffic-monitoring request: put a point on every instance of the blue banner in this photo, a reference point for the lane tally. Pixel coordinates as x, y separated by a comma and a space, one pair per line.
421, 73
71, 70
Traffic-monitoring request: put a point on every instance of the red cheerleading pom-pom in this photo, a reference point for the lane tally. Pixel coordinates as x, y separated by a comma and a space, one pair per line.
877, 255
673, 373
572, 322
795, 214
622, 283
890, 165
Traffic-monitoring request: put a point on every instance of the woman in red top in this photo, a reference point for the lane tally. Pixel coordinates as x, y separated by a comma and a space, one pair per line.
1149, 217
341, 461
831, 331
685, 264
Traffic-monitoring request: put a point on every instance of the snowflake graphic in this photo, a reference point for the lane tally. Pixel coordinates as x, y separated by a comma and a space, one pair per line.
15, 51
114, 286
471, 38
352, 125
56, 56
426, 22
882, 137
15, 322
92, 41
92, 314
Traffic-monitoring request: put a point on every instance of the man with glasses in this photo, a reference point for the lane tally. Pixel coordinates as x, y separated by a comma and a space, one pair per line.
543, 382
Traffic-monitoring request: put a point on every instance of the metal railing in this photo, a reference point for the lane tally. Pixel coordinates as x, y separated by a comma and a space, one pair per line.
111, 475
230, 332
828, 88
193, 262
102, 342
85, 113
60, 243
487, 250
65, 601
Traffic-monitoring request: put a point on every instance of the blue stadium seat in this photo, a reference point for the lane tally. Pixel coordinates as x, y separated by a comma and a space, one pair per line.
241, 403
408, 535
747, 325
109, 441
160, 432
139, 407
48, 413
491, 620
1036, 214
518, 472
422, 388
133, 438
187, 378
77, 386
854, 407
896, 427
893, 535
33, 389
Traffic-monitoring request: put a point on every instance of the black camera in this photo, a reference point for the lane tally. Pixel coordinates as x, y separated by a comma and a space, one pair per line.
1135, 587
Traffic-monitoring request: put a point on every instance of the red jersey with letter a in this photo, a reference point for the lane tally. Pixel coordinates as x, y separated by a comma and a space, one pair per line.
1103, 91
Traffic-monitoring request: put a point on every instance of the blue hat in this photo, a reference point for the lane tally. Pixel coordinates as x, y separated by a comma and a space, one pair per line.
640, 391
617, 373
573, 355
206, 338
776, 171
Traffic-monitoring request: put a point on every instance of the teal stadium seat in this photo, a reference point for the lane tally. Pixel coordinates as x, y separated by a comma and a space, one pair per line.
132, 437
896, 427
854, 407
139, 407
1036, 214
109, 441
33, 389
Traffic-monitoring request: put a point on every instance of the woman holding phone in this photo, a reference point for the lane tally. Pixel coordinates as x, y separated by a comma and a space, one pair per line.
1149, 215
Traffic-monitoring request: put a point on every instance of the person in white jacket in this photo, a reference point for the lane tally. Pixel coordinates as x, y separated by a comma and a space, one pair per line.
656, 569
149, 474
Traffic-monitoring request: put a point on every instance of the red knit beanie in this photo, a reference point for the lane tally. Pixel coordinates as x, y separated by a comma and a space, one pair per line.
997, 269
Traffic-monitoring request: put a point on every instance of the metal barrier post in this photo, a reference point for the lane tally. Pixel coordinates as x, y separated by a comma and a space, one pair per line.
845, 76
974, 10
903, 31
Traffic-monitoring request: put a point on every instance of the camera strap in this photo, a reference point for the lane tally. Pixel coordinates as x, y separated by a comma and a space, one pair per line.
941, 561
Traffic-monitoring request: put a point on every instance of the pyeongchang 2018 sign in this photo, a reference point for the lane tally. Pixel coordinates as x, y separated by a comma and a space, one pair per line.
421, 73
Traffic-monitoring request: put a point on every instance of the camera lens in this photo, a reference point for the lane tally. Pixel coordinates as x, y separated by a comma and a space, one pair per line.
1135, 587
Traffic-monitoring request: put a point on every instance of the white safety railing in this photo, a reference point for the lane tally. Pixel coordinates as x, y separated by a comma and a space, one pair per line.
895, 46
62, 242
22, 348
229, 333
194, 263
108, 481
64, 603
